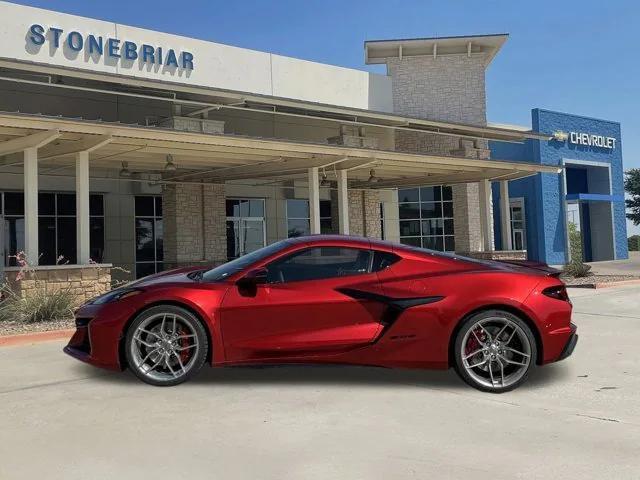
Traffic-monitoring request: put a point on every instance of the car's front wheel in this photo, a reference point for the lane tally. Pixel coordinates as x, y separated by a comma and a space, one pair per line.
494, 351
166, 345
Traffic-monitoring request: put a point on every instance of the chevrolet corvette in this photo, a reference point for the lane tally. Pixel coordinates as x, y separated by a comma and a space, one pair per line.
334, 300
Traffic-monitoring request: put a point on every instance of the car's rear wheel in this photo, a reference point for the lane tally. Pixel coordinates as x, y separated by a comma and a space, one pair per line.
494, 351
166, 345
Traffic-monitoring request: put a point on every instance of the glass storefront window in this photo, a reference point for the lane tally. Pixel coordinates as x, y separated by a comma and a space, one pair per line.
426, 217
299, 218
518, 228
149, 235
56, 227
245, 226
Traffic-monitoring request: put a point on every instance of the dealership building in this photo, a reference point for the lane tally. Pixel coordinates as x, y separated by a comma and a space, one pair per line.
142, 150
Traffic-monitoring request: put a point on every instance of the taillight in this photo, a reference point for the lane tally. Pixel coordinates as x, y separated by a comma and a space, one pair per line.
559, 292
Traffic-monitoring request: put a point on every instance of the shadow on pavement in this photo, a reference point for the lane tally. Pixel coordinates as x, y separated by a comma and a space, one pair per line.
334, 375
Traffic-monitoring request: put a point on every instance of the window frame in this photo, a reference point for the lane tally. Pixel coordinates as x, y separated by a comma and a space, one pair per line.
302, 251
417, 204
154, 219
308, 217
234, 218
518, 202
7, 252
55, 216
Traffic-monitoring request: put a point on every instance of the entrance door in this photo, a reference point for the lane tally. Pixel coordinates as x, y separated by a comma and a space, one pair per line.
518, 224
299, 312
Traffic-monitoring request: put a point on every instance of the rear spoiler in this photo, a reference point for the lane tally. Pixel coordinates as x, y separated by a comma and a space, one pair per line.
539, 266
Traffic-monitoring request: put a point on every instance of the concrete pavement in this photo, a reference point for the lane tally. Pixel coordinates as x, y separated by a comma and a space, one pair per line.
630, 266
576, 419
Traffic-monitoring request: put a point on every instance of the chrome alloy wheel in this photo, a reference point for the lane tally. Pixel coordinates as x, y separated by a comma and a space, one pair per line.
164, 347
496, 352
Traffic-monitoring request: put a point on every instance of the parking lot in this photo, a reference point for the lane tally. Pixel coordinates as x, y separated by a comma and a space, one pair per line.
576, 419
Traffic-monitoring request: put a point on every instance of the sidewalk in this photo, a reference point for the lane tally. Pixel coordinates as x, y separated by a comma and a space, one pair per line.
618, 267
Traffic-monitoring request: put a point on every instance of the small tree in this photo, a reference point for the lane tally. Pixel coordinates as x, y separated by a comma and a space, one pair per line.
632, 186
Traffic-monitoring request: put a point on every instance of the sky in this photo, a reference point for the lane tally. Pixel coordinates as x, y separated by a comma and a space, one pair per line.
579, 57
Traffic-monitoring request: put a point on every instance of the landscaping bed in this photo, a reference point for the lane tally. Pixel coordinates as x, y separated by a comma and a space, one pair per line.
17, 328
591, 281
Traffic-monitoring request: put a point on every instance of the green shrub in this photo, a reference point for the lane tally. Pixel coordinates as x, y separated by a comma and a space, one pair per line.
38, 306
634, 243
575, 243
577, 269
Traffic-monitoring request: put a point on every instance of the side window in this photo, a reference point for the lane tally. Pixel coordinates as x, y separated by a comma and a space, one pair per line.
382, 260
318, 263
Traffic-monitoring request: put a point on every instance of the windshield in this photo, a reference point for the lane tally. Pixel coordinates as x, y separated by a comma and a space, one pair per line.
225, 270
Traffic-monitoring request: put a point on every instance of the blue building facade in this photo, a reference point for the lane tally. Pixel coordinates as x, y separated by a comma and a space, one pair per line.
588, 193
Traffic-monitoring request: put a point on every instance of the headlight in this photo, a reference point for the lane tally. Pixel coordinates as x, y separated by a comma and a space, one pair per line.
115, 295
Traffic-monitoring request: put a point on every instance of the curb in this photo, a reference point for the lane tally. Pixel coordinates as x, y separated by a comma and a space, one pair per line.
606, 285
36, 337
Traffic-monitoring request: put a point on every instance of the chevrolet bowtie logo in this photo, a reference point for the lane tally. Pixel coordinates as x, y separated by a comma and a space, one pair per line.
560, 136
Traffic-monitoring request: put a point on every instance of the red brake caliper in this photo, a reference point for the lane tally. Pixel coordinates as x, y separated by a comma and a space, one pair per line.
183, 342
472, 343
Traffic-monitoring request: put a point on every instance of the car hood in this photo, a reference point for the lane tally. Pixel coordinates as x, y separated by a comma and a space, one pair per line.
175, 276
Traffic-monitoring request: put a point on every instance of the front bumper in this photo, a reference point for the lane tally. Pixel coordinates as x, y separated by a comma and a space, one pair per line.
98, 333
571, 343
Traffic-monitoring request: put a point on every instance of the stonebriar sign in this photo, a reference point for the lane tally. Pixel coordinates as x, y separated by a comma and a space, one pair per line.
97, 45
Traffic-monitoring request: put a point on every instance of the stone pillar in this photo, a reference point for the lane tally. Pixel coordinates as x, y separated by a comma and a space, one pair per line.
215, 224
364, 213
448, 88
194, 220
466, 217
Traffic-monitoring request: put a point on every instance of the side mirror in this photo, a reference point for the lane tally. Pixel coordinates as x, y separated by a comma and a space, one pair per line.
252, 279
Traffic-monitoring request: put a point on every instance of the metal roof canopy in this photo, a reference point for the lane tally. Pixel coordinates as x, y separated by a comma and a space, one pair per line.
198, 100
218, 158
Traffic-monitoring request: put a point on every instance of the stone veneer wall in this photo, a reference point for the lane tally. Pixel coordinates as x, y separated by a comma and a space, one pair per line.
85, 281
215, 223
194, 220
448, 88
364, 213
497, 255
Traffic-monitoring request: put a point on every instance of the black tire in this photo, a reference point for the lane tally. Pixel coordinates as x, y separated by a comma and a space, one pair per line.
191, 325
474, 375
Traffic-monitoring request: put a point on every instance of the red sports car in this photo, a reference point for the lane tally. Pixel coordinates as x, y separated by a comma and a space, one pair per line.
339, 300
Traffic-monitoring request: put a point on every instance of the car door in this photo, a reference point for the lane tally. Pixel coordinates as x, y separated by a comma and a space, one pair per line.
300, 311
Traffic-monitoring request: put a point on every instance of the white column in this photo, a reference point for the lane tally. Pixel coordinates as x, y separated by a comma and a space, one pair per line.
31, 205
485, 214
505, 215
82, 207
343, 203
314, 200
